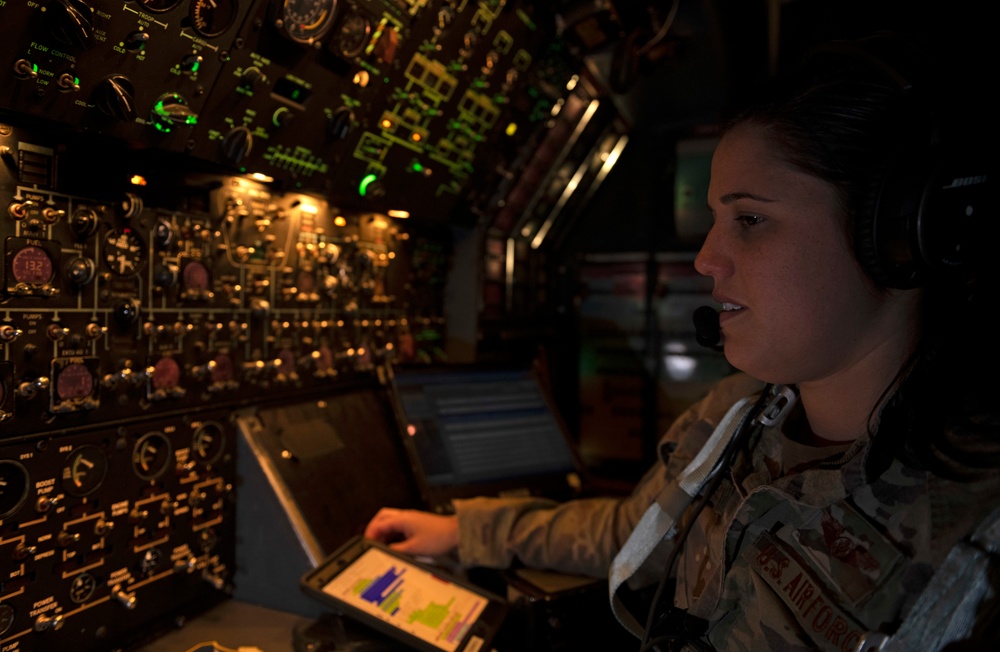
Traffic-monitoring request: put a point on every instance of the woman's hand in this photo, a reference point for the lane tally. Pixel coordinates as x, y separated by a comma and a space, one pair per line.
414, 532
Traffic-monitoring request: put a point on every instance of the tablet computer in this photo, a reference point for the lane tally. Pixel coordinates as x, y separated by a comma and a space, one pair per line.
422, 606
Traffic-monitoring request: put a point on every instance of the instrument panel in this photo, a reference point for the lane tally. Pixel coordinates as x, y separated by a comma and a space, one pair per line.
206, 207
391, 105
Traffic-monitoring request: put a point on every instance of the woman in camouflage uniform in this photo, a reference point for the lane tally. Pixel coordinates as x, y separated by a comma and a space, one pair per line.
831, 519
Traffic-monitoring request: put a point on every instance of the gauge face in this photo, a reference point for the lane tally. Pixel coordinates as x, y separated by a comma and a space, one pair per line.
166, 373
287, 361
124, 251
325, 360
159, 6
13, 487
222, 372
212, 17
32, 265
195, 276
74, 381
84, 470
151, 455
82, 588
306, 21
208, 442
306, 282
6, 617
353, 35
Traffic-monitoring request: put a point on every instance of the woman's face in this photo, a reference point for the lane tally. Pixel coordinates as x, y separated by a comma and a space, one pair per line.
797, 305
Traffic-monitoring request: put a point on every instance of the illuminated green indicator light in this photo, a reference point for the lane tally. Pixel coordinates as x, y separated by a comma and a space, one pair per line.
417, 167
365, 182
195, 66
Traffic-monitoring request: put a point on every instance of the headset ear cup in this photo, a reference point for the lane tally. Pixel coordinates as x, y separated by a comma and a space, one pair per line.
892, 224
865, 247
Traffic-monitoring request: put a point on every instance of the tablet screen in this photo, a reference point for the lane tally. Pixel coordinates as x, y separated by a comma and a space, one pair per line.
409, 598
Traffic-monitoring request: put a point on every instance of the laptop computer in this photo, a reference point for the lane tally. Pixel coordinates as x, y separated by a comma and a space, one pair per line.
482, 431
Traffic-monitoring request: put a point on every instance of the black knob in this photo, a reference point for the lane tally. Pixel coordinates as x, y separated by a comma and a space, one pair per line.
115, 96
83, 222
71, 22
164, 276
126, 313
237, 144
172, 110
190, 63
136, 40
253, 77
341, 123
80, 271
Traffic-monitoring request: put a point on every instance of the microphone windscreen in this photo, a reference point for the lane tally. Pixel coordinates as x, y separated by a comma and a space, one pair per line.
706, 326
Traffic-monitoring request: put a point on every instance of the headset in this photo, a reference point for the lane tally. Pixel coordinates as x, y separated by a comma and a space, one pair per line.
924, 220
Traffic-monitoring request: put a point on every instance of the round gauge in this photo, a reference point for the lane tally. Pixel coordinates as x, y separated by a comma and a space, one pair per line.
84, 470
222, 372
32, 265
287, 361
195, 276
74, 381
166, 373
306, 282
325, 360
82, 588
212, 17
159, 6
6, 617
353, 35
151, 455
208, 442
124, 251
306, 21
13, 487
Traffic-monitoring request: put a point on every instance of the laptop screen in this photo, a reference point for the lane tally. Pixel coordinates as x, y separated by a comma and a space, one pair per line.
483, 432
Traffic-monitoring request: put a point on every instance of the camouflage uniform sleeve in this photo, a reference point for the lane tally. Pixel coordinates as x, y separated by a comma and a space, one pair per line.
582, 536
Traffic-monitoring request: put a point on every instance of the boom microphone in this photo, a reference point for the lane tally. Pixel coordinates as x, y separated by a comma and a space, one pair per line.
706, 326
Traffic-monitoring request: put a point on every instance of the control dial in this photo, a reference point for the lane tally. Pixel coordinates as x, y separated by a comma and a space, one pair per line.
305, 21
352, 36
212, 17
159, 6
71, 22
115, 96
236, 145
172, 110
208, 442
13, 487
152, 455
124, 251
84, 470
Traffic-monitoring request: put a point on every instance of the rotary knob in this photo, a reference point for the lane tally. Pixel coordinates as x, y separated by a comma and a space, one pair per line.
172, 110
341, 122
83, 222
115, 96
253, 77
236, 145
71, 22
126, 313
80, 271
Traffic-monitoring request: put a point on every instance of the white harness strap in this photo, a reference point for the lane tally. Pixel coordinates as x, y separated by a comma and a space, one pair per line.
660, 519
